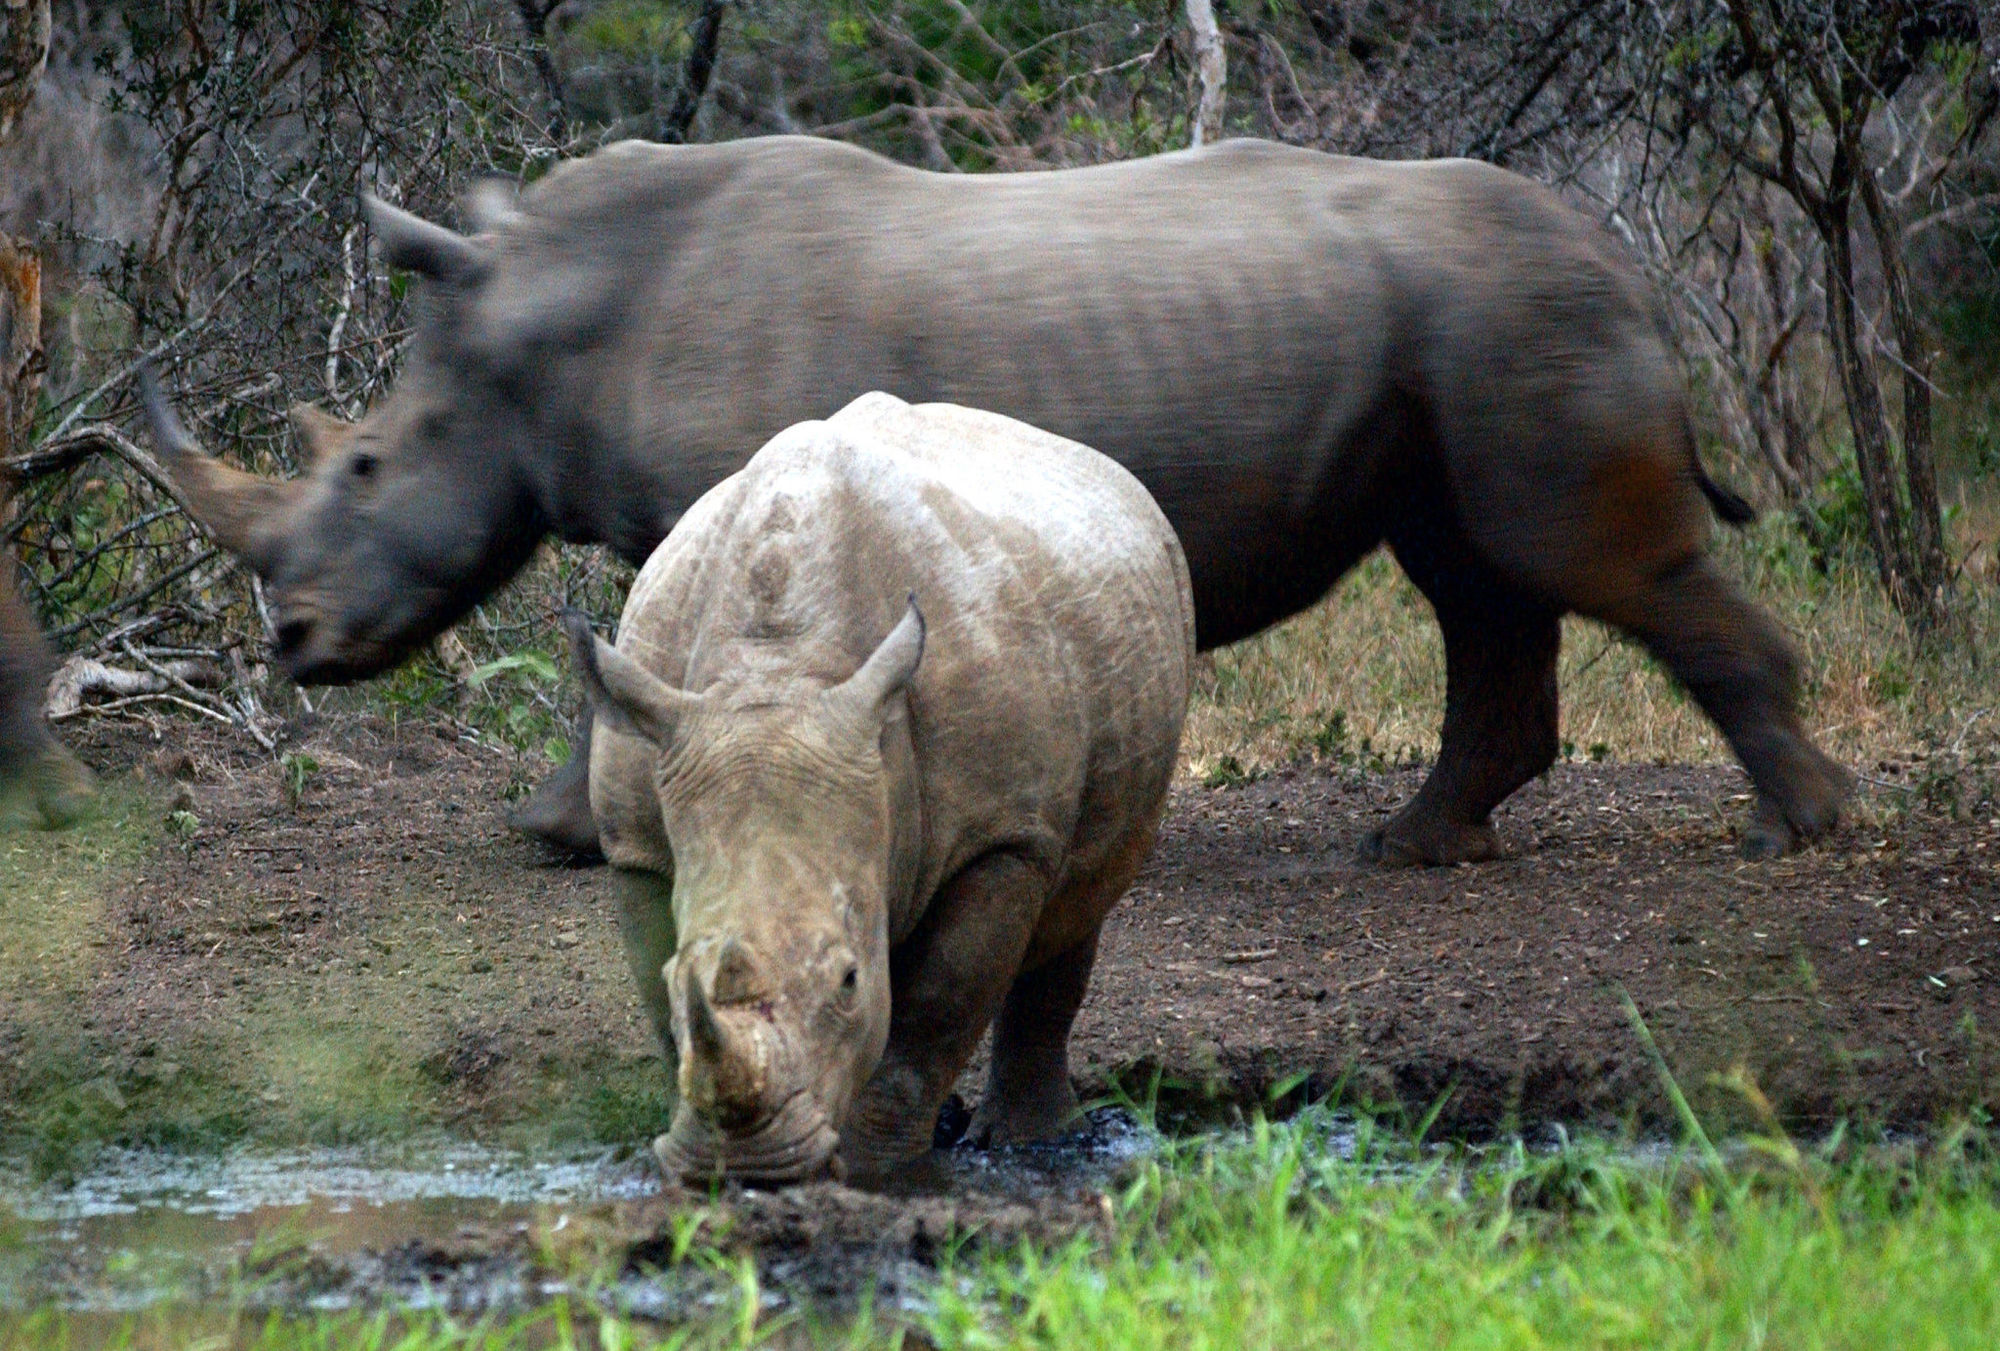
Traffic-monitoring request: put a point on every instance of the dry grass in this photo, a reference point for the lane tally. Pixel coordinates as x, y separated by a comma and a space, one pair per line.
1362, 673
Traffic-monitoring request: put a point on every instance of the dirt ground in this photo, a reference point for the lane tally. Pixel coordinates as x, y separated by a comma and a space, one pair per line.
351, 947
377, 951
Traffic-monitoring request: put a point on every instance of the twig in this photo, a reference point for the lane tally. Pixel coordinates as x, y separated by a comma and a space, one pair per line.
113, 705
164, 345
1958, 744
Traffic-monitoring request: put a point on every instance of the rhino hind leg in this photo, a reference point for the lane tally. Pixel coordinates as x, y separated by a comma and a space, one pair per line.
1028, 1091
1739, 667
558, 812
1499, 719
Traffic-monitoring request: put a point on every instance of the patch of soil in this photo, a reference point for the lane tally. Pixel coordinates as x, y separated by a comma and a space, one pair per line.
1860, 979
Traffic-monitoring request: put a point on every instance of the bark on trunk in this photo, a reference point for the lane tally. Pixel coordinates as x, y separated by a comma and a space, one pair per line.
21, 360
1210, 66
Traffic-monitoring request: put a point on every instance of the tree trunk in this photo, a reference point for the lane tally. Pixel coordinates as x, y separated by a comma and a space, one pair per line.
1211, 67
1928, 568
1905, 527
707, 39
535, 21
21, 360
24, 50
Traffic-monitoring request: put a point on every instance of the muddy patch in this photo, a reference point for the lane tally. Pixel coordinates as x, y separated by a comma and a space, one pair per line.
364, 951
474, 1231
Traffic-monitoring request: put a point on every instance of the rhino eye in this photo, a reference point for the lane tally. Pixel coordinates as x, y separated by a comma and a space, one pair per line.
364, 466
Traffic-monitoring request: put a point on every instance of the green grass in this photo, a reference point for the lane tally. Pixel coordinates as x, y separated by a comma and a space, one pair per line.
1270, 1245
1272, 1240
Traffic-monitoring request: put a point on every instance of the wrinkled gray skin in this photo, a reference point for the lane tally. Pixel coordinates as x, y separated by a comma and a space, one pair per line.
872, 847
1301, 356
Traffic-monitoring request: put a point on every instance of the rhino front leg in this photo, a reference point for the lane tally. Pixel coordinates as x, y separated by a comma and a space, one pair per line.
35, 770
558, 812
948, 980
1028, 1092
646, 923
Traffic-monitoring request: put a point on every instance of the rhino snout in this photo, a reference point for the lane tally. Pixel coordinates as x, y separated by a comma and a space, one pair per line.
293, 632
797, 1144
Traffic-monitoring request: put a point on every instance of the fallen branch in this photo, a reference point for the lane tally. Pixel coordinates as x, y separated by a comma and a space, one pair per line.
80, 677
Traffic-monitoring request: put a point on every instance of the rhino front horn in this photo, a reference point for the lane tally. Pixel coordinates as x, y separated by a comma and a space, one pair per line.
704, 1033
241, 512
735, 1080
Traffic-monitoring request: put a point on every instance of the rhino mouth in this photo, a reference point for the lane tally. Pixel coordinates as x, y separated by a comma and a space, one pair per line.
795, 1144
315, 647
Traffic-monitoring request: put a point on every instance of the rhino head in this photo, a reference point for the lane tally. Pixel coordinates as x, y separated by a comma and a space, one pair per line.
780, 815
406, 518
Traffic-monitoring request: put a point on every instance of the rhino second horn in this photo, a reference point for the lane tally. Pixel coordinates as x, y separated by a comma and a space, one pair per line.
241, 512
320, 432
738, 979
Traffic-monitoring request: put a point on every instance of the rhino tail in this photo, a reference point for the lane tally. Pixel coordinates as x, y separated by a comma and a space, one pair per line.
1731, 507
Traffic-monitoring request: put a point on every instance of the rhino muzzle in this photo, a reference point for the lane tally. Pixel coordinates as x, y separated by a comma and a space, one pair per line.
796, 1144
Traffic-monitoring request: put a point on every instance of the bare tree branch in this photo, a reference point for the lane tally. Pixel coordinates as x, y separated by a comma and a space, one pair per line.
695, 74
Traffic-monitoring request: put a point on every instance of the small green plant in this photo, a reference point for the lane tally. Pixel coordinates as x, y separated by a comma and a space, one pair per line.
182, 823
1226, 771
1329, 739
296, 770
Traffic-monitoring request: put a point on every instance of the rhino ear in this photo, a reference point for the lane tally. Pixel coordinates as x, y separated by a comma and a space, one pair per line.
621, 691
491, 205
415, 245
888, 669
319, 431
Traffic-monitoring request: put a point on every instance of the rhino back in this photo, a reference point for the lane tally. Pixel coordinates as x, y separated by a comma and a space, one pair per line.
1241, 326
1060, 625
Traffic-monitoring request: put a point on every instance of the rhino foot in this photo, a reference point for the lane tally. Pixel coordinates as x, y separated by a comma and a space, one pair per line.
53, 789
558, 814
1018, 1120
1432, 844
1808, 809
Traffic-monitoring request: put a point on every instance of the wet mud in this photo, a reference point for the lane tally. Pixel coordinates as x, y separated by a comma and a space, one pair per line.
475, 1231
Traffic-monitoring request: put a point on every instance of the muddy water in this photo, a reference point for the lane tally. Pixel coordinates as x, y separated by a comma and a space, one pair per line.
331, 1225
472, 1230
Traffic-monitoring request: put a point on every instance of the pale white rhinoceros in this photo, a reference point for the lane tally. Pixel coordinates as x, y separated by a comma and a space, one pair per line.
888, 729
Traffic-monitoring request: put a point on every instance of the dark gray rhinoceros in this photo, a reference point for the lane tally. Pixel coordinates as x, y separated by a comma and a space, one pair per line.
1302, 356
888, 730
